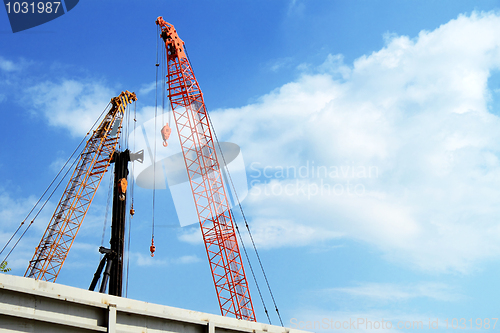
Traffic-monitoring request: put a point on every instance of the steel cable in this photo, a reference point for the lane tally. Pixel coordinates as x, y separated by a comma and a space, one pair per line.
47, 189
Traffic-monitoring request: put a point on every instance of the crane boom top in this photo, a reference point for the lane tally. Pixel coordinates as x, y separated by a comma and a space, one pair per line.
93, 162
175, 45
129, 98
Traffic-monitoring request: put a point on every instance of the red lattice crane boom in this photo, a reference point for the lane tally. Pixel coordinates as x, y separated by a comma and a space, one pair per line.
56, 242
204, 173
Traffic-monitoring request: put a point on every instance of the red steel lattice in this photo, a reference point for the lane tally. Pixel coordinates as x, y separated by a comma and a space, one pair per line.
205, 178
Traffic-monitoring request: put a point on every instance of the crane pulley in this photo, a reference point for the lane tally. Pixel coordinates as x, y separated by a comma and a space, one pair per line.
165, 133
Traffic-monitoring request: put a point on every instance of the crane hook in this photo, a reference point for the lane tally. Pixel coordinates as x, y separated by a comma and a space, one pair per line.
165, 134
152, 248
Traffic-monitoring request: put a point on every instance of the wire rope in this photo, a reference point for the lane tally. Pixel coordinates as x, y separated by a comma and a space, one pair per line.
251, 268
154, 149
129, 227
245, 220
106, 215
47, 189
243, 215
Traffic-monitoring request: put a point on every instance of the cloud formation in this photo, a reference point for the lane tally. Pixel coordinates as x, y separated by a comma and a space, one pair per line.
141, 260
74, 105
419, 111
387, 292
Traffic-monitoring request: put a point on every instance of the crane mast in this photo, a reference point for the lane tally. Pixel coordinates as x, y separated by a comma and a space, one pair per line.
56, 242
204, 173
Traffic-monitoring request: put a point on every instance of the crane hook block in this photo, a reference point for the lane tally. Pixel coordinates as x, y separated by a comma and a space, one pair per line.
122, 189
122, 185
152, 248
165, 134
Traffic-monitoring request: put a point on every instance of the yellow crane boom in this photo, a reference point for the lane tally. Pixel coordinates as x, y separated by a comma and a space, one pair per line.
63, 227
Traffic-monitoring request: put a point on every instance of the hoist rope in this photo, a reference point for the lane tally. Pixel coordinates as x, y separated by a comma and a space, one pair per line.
41, 197
127, 122
170, 112
162, 74
246, 223
45, 192
106, 215
123, 131
127, 265
154, 149
134, 149
244, 218
129, 227
251, 268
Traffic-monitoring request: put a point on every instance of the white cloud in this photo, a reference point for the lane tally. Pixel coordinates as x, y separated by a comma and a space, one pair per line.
334, 65
417, 111
280, 63
147, 88
187, 259
57, 164
270, 233
364, 321
394, 292
12, 212
361, 307
191, 235
11, 67
274, 233
146, 260
7, 65
142, 259
74, 105
85, 247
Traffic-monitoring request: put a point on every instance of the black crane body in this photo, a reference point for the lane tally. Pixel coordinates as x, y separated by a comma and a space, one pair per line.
114, 255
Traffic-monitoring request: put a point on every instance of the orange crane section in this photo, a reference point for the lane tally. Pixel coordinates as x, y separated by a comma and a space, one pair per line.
56, 242
204, 173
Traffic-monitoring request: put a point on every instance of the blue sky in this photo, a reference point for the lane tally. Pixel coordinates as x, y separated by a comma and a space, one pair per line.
385, 115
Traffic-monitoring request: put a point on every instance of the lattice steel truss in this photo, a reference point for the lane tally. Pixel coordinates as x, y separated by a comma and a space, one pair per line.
63, 227
205, 177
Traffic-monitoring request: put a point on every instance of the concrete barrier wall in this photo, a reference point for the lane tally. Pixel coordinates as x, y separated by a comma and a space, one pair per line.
27, 305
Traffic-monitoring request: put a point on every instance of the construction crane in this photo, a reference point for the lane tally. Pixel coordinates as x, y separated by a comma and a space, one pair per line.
204, 173
63, 227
